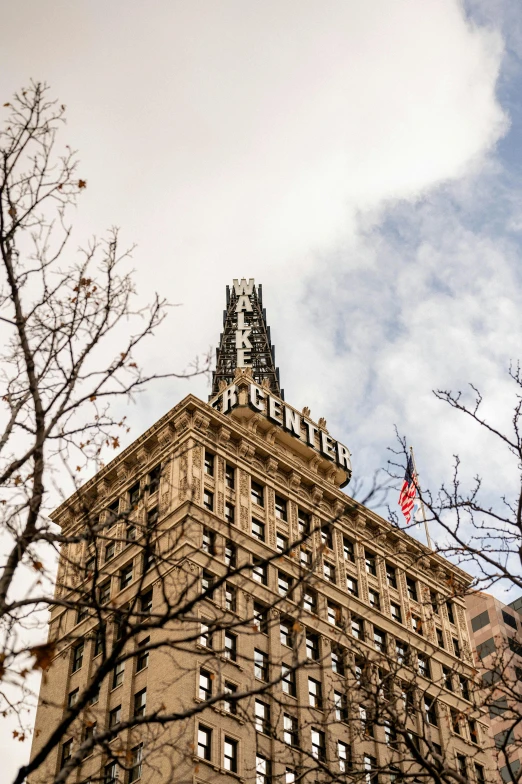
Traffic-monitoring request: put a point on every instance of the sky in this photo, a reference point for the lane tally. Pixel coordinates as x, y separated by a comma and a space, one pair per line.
360, 160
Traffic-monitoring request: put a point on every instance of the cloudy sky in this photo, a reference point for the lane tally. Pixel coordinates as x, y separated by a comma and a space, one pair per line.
361, 160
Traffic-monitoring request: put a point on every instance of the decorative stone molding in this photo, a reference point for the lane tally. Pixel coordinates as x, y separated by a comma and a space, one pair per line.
294, 481
224, 434
316, 495
306, 411
271, 435
183, 422
246, 450
201, 421
331, 476
253, 424
313, 464
271, 466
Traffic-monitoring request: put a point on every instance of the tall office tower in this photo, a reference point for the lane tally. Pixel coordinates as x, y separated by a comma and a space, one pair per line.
218, 580
496, 634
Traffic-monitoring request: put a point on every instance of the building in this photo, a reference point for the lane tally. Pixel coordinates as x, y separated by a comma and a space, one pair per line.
496, 634
240, 504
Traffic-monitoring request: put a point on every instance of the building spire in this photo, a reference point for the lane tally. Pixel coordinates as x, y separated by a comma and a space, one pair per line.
245, 340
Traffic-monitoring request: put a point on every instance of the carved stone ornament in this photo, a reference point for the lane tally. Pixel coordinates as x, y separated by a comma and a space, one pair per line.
294, 481
104, 488
254, 423
222, 385
331, 475
339, 508
322, 424
201, 421
142, 455
306, 411
224, 435
317, 495
183, 422
245, 449
265, 384
271, 435
166, 434
271, 465
314, 463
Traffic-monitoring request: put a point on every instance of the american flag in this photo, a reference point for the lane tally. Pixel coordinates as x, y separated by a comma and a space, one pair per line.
408, 490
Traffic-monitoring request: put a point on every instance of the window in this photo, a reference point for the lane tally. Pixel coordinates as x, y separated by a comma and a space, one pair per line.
148, 559
391, 576
314, 694
288, 680
230, 651
230, 513
370, 766
318, 744
374, 599
290, 730
280, 508
509, 619
370, 562
340, 707
416, 624
281, 542
134, 495
110, 549
262, 716
327, 537
113, 510
154, 479
208, 544
205, 636
110, 775
81, 613
334, 614
423, 664
89, 731
205, 685
146, 602
451, 614
357, 628
305, 557
125, 576
396, 613
261, 617
481, 776
230, 598
348, 550
289, 776
261, 665
204, 742
464, 687
447, 679
514, 646
66, 751
229, 704
208, 500
479, 621
351, 585
230, 476
207, 582
390, 734
284, 583
104, 592
411, 587
140, 702
230, 554
337, 660
115, 716
440, 638
402, 652
329, 571
504, 739
263, 770
130, 533
473, 731
209, 464
259, 571
493, 676
461, 765
152, 516
434, 600
96, 696
257, 494
72, 699
344, 755
456, 647
455, 724
258, 529
498, 707
430, 711
230, 754
379, 640
142, 659
77, 656
312, 646
136, 763
117, 674
303, 523
310, 600
286, 633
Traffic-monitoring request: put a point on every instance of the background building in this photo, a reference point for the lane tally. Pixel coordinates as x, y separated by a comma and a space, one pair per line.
224, 536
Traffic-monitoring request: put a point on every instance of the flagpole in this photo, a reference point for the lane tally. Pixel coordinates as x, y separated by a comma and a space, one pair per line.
421, 501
